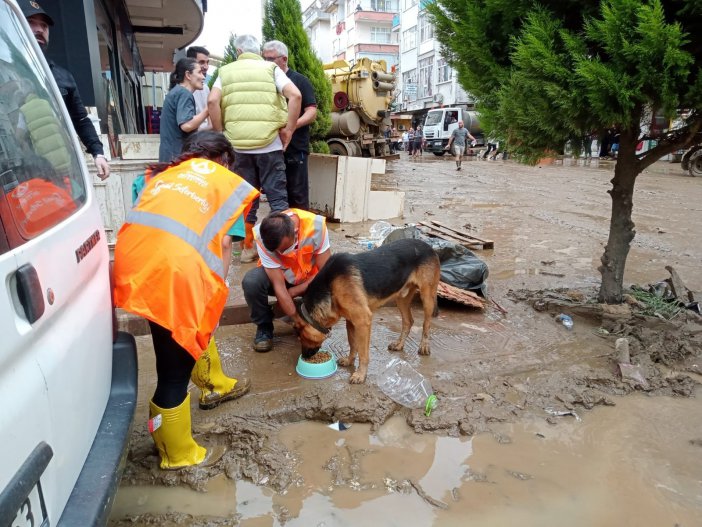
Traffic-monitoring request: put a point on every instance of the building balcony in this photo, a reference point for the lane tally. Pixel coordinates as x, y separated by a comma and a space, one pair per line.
314, 16
373, 16
388, 49
162, 26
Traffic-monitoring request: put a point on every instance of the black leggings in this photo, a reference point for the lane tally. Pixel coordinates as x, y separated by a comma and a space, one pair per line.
173, 367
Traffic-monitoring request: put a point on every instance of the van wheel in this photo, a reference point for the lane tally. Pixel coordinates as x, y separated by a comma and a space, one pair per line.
439, 154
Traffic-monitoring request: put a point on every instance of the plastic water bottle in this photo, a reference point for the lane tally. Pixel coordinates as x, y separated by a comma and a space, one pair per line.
565, 320
379, 230
406, 386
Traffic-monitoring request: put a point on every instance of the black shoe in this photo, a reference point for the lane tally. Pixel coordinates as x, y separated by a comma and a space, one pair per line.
263, 341
458, 168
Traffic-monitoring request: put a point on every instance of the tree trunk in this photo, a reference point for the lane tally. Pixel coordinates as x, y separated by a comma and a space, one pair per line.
621, 228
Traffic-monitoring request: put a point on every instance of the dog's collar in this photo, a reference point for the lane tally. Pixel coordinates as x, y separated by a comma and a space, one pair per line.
312, 322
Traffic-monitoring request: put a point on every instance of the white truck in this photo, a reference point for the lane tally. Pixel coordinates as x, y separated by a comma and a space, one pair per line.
441, 122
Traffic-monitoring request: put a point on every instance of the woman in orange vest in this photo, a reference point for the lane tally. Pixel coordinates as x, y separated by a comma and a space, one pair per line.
170, 267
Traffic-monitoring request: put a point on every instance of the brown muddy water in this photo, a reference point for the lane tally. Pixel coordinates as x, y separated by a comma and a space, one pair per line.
492, 454
637, 463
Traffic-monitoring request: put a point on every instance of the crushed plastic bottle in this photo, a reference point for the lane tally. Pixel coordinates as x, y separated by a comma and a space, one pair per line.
380, 230
565, 320
406, 386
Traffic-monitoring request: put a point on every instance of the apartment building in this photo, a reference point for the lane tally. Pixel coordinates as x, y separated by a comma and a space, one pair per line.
351, 29
397, 31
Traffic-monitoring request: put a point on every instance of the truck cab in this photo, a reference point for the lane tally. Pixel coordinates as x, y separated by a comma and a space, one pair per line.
440, 124
67, 377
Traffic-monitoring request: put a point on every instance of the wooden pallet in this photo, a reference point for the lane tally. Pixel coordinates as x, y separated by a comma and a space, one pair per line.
439, 230
467, 298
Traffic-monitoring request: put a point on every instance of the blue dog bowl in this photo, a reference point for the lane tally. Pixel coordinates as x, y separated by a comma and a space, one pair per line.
322, 370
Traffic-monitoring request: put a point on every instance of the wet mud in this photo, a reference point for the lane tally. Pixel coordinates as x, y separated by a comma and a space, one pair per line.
491, 371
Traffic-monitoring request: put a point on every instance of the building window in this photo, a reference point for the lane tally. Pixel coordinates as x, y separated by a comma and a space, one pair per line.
410, 3
387, 6
443, 71
426, 30
409, 86
409, 39
380, 35
425, 77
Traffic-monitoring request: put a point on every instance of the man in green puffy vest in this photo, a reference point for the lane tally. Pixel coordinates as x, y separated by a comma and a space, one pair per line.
247, 102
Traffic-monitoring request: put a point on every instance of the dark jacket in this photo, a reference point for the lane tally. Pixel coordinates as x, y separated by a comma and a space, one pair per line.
79, 115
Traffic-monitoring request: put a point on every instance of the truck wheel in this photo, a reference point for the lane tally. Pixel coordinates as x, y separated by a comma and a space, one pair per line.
337, 149
440, 154
696, 164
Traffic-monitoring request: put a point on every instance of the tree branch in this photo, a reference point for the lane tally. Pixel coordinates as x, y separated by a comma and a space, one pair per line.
678, 139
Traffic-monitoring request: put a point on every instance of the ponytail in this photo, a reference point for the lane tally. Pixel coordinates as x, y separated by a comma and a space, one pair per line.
182, 67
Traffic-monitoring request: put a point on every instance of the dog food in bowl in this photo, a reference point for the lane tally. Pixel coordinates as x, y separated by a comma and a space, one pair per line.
319, 366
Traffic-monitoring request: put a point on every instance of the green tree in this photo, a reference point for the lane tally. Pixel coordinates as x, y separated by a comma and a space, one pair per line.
229, 55
283, 21
552, 71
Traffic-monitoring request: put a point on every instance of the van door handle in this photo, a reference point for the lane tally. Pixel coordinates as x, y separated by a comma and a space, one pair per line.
29, 292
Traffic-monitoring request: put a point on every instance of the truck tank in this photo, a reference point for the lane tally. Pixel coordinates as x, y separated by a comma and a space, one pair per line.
361, 107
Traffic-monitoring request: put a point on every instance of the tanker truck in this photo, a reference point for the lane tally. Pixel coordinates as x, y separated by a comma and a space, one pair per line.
441, 122
361, 107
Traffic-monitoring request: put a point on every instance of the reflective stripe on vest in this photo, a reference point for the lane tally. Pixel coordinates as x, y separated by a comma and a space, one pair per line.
198, 242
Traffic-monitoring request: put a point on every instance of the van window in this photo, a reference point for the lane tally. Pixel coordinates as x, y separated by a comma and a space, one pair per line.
41, 182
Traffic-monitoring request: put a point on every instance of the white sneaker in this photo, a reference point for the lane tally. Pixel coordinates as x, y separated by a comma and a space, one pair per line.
248, 255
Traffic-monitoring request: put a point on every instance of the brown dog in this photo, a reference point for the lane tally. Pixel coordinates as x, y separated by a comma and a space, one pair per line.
354, 286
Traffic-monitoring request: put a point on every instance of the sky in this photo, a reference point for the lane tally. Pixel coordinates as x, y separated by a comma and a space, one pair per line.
231, 16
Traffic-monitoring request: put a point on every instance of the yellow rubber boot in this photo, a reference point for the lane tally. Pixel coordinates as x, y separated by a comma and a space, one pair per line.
172, 433
215, 386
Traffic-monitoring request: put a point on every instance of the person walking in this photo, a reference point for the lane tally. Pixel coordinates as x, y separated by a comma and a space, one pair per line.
39, 23
178, 117
418, 141
458, 141
299, 148
293, 246
169, 268
410, 142
405, 140
202, 56
247, 101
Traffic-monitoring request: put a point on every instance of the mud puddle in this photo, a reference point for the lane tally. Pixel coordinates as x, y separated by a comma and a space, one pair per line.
638, 463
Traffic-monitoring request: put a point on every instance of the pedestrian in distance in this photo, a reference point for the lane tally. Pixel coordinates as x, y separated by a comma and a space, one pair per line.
418, 142
458, 141
178, 117
248, 102
410, 142
39, 23
202, 56
293, 246
297, 152
169, 268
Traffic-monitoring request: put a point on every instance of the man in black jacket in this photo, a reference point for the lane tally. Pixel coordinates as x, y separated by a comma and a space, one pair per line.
39, 22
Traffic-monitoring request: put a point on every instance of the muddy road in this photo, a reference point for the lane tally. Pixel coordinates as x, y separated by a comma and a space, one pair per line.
534, 421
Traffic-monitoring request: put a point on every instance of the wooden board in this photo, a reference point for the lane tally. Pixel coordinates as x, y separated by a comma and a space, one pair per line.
439, 230
468, 298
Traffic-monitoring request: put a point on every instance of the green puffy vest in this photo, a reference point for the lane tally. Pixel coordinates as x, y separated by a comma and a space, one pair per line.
47, 134
252, 109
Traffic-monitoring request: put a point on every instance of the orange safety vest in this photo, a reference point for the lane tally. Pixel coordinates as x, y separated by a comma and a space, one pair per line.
168, 258
300, 265
38, 205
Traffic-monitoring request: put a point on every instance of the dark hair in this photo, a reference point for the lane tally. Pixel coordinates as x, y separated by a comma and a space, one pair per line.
194, 50
183, 66
275, 227
207, 144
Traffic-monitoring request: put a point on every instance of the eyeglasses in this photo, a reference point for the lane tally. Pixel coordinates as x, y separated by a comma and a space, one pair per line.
271, 59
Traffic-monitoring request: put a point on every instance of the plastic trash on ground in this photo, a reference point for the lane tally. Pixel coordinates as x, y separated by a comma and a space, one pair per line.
406, 386
565, 320
377, 234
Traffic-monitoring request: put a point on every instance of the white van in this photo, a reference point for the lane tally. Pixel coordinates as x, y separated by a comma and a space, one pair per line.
67, 378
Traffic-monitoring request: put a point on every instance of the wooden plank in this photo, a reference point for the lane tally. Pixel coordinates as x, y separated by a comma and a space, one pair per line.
466, 241
487, 244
